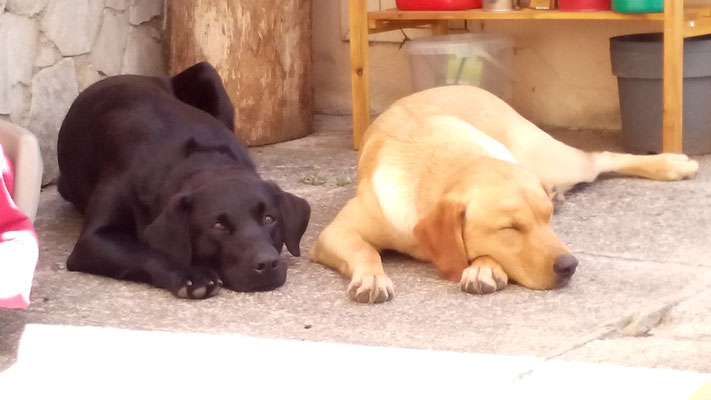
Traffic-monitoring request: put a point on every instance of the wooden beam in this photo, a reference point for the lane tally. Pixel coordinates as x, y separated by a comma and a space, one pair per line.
672, 127
697, 27
677, 23
440, 27
360, 78
396, 14
378, 26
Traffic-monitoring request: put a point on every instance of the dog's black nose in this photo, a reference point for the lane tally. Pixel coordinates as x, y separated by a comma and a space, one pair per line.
266, 264
564, 265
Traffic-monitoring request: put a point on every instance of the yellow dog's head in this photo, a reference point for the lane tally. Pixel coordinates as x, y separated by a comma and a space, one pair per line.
501, 210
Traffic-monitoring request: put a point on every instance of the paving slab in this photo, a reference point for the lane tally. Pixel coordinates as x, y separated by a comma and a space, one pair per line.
641, 219
636, 218
558, 379
643, 263
189, 365
427, 311
690, 319
652, 351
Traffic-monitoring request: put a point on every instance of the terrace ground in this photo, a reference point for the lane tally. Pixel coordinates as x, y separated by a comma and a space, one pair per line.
634, 322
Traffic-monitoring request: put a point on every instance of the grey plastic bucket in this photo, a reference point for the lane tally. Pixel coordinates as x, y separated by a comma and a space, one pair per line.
637, 61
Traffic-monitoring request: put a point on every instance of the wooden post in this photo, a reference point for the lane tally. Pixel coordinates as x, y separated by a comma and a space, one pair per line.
673, 76
262, 50
440, 27
360, 78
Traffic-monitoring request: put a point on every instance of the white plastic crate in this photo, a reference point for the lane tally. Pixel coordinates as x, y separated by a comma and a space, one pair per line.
478, 59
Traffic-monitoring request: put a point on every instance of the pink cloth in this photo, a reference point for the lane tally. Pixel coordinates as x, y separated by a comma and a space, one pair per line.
18, 244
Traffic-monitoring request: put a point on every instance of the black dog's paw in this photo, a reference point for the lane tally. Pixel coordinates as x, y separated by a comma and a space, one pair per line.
197, 283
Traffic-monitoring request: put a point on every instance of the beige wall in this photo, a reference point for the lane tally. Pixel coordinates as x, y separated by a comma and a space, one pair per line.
562, 68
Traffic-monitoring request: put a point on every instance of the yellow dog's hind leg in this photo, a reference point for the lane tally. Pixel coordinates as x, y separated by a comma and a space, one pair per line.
660, 167
573, 167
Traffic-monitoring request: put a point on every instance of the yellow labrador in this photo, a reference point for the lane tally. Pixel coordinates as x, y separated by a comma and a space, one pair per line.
455, 176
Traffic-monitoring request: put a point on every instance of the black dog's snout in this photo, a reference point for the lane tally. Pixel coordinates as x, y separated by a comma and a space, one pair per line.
564, 265
267, 264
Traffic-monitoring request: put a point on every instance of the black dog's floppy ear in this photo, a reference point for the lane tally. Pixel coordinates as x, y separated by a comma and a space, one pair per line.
201, 87
169, 232
295, 213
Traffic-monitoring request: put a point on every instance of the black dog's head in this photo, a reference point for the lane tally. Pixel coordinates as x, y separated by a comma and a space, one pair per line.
236, 225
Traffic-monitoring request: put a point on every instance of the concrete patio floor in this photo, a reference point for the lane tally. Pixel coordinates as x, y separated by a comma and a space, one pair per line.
641, 299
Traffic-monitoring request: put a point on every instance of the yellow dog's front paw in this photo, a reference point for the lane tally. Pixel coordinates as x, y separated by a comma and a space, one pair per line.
679, 166
483, 278
371, 288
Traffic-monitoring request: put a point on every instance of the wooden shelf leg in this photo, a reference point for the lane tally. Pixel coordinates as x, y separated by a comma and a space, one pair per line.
440, 27
360, 78
673, 76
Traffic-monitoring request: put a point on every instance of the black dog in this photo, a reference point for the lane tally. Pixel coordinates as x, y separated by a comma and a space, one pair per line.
170, 196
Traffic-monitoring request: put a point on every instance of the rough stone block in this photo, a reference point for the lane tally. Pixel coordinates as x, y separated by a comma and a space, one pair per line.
142, 11
53, 90
118, 5
18, 42
86, 73
47, 53
144, 53
20, 99
28, 8
73, 24
108, 51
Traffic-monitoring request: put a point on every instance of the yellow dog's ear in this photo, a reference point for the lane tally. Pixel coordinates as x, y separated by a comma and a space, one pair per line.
440, 236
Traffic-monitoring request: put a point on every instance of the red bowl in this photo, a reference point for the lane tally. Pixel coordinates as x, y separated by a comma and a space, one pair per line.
435, 5
584, 5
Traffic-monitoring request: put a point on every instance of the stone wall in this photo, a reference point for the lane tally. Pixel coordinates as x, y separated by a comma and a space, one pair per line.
50, 50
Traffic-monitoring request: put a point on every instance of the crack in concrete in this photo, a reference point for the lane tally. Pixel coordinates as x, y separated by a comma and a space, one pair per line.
640, 326
599, 333
635, 324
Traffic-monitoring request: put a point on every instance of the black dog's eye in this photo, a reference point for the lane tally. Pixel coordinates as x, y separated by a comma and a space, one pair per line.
268, 220
219, 226
223, 224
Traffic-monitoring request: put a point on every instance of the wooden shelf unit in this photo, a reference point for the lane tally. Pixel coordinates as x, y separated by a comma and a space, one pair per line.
676, 22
